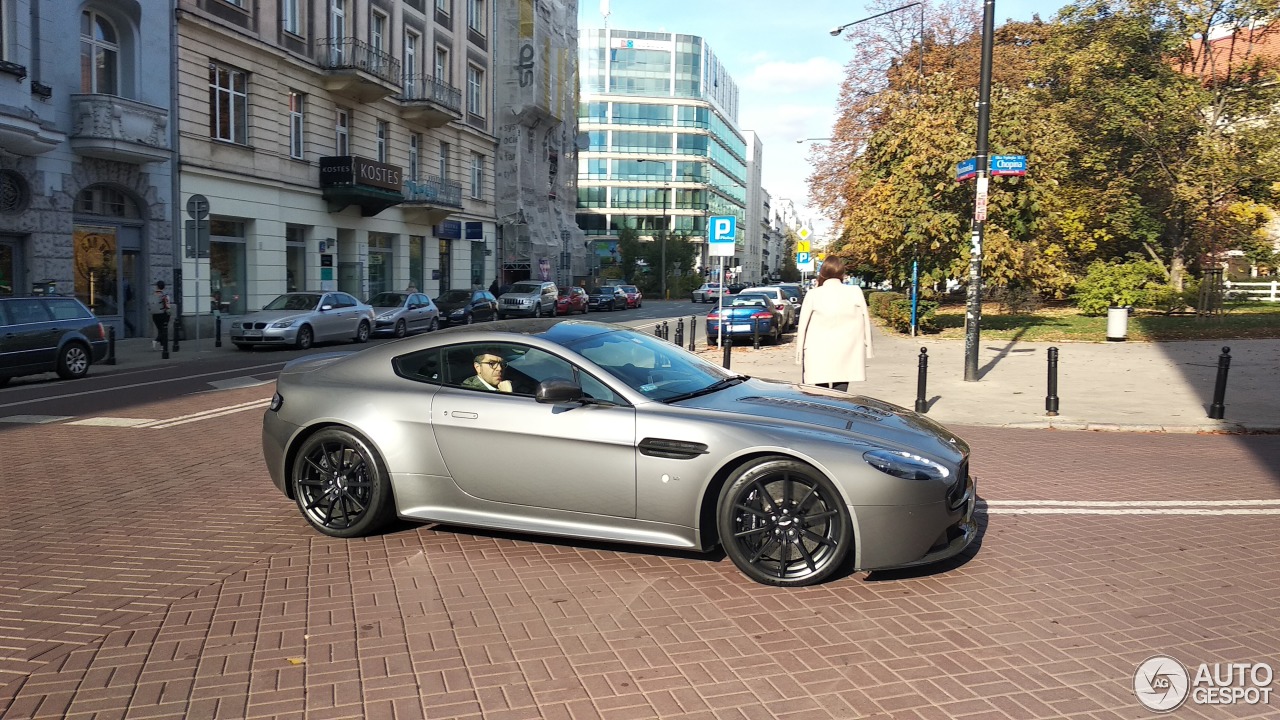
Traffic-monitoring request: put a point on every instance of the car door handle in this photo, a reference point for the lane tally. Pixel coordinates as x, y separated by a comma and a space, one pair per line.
464, 415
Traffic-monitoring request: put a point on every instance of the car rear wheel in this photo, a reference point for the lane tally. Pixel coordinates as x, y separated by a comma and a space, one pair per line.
470, 319
362, 332
341, 485
783, 523
305, 338
73, 361
402, 328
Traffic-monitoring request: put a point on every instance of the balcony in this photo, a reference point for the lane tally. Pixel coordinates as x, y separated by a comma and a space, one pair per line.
110, 127
429, 102
355, 70
432, 199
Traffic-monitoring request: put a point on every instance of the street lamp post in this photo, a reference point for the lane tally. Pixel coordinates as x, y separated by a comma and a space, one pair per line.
973, 314
837, 31
666, 226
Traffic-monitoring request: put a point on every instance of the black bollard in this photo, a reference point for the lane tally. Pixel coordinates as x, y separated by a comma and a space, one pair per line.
755, 333
728, 350
1217, 410
666, 331
111, 346
177, 331
693, 333
1051, 400
922, 375
217, 331
657, 330
680, 332
164, 341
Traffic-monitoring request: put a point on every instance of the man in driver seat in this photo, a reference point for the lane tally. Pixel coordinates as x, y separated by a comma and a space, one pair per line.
489, 370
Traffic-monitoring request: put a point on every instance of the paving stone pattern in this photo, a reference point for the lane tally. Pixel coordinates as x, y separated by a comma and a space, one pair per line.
158, 574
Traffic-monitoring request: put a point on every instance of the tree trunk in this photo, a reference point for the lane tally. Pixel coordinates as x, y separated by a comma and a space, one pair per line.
1177, 269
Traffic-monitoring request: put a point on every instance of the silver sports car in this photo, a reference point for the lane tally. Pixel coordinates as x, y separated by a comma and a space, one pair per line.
590, 430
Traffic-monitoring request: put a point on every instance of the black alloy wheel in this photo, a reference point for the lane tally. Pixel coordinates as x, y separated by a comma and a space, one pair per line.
402, 328
305, 338
783, 523
73, 361
340, 484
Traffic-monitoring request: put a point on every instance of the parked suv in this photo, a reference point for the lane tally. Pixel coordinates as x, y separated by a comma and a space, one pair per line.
531, 298
48, 334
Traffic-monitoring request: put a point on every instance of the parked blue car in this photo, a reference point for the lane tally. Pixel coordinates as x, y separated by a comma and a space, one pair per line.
746, 314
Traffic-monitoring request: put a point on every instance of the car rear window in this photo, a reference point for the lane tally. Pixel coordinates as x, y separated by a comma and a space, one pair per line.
67, 309
23, 311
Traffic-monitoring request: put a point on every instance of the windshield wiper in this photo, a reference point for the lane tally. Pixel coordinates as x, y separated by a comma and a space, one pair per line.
713, 387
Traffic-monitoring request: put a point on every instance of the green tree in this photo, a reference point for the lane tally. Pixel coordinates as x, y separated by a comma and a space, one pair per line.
630, 249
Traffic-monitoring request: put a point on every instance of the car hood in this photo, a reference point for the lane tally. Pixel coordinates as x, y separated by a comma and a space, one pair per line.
854, 416
450, 305
386, 308
269, 316
520, 296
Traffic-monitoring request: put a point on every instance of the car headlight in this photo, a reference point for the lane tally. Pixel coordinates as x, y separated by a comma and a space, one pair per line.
283, 323
526, 301
905, 465
387, 315
235, 325
276, 401
458, 313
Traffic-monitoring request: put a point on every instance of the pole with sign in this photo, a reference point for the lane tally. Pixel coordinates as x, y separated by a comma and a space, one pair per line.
721, 243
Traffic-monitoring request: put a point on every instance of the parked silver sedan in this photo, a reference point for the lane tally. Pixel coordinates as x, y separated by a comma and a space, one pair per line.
596, 431
401, 313
304, 318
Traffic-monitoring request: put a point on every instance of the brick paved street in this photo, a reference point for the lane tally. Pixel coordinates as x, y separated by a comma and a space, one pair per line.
156, 573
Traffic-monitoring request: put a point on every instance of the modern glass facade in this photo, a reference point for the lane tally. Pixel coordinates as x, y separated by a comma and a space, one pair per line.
659, 115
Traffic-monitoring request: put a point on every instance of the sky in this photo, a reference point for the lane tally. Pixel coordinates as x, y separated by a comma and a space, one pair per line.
786, 64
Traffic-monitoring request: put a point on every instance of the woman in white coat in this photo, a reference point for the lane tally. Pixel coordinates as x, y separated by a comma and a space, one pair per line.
833, 341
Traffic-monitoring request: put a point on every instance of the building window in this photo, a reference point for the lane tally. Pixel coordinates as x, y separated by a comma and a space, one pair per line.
228, 268
415, 142
443, 6
382, 133
297, 107
289, 17
99, 54
341, 133
337, 26
228, 104
442, 65
410, 60
444, 161
475, 15
475, 90
378, 32
477, 175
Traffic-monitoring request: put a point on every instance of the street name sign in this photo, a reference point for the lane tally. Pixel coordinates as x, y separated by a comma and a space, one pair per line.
1008, 165
966, 169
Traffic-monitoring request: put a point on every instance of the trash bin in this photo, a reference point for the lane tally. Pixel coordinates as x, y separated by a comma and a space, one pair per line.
1117, 324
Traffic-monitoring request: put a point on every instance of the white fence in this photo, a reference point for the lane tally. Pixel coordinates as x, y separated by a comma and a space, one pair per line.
1265, 291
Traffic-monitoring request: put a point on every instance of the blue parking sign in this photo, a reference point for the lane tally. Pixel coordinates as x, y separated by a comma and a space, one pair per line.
722, 235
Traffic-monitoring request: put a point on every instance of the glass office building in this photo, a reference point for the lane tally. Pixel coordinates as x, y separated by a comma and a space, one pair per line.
658, 117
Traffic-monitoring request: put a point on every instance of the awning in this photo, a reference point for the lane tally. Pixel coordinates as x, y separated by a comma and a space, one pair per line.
371, 200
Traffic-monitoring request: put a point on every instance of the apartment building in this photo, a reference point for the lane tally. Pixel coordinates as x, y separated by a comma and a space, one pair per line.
86, 179
336, 144
659, 114
754, 226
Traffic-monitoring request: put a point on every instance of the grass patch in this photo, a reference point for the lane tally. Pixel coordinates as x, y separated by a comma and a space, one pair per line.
1064, 323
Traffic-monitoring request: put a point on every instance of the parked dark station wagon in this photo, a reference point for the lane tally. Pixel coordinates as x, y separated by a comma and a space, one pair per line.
48, 334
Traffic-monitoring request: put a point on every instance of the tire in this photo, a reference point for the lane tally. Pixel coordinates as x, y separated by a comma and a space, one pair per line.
243, 346
73, 361
434, 326
306, 338
402, 328
362, 332
470, 319
783, 523
341, 485
537, 311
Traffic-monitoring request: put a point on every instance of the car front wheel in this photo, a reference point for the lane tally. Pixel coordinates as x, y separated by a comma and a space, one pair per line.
305, 338
783, 523
362, 332
402, 328
341, 485
73, 361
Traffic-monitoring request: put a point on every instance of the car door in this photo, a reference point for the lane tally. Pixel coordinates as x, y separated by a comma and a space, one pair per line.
509, 448
416, 312
32, 332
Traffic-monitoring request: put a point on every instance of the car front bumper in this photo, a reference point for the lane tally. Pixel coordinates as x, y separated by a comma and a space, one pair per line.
911, 535
268, 336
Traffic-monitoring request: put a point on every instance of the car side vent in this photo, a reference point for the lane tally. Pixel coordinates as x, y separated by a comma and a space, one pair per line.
673, 449
860, 412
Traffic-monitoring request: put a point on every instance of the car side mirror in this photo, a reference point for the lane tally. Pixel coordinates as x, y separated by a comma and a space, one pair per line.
558, 390
326, 308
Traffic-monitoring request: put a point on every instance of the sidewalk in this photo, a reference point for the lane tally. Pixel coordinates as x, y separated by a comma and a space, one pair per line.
1141, 387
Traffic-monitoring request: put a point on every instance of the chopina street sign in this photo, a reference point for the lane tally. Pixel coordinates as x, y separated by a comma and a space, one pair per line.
1008, 165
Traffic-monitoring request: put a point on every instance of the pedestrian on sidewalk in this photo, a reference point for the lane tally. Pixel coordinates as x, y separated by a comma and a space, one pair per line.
833, 340
158, 306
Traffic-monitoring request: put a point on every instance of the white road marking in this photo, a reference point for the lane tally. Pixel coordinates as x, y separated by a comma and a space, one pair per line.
238, 382
1133, 503
1131, 507
111, 422
34, 419
1133, 511
207, 414
136, 385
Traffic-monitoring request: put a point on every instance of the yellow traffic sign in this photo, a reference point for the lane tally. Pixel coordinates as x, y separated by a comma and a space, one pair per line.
804, 233
802, 246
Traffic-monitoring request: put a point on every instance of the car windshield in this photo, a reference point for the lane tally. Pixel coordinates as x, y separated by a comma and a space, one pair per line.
652, 367
525, 287
455, 296
772, 292
293, 302
629, 288
564, 292
387, 300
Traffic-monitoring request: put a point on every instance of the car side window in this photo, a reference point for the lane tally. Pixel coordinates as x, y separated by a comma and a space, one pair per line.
329, 300
4, 315
422, 366
345, 300
23, 312
67, 309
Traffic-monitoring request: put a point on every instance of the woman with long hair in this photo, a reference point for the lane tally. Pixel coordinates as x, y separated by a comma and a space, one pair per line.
833, 341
